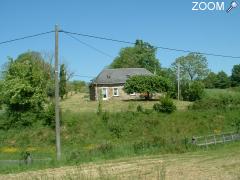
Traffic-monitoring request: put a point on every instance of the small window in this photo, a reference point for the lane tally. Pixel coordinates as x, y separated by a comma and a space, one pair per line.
115, 92
133, 94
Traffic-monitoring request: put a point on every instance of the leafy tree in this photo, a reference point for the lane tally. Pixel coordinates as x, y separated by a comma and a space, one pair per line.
193, 66
210, 80
1, 98
192, 91
142, 55
79, 86
63, 81
148, 85
222, 81
24, 90
235, 77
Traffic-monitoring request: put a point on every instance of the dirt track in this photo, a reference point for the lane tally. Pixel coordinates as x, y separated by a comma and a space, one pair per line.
177, 167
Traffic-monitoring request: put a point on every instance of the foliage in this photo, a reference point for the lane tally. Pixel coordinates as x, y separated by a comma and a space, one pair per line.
222, 101
219, 80
166, 105
100, 103
49, 116
63, 81
193, 66
79, 86
140, 108
222, 80
24, 90
235, 77
1, 98
148, 85
192, 91
142, 55
210, 80
87, 138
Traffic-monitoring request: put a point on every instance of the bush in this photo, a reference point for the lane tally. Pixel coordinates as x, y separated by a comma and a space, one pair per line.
166, 105
49, 115
220, 101
139, 108
192, 91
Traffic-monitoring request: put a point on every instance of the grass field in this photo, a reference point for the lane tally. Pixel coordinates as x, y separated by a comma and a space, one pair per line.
91, 140
217, 163
81, 103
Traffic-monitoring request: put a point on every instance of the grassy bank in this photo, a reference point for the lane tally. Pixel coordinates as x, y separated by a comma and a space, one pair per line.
120, 131
87, 137
217, 163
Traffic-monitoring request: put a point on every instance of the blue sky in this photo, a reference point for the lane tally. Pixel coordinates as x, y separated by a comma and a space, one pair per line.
162, 23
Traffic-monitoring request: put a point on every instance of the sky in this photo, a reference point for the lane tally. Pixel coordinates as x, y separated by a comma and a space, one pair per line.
170, 24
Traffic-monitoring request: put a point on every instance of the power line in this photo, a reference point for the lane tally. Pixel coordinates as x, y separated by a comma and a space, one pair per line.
158, 47
98, 37
26, 37
88, 45
86, 76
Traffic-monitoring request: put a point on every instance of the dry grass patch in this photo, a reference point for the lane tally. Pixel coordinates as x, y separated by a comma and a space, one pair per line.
81, 103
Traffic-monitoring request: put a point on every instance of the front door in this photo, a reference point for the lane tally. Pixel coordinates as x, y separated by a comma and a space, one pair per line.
104, 93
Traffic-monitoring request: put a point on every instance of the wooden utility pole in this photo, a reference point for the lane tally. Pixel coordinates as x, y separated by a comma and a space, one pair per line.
178, 79
57, 119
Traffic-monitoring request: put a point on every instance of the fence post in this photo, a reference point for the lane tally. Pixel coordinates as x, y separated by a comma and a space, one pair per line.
206, 142
223, 138
215, 142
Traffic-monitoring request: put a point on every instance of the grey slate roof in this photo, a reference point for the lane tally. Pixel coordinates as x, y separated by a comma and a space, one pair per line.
118, 76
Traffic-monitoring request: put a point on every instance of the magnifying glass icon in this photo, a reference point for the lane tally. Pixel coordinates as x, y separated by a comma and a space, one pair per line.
233, 5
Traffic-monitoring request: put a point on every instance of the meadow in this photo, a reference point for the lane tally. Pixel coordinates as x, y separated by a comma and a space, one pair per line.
121, 132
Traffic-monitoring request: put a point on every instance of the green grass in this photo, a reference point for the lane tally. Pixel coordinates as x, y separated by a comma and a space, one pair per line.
79, 103
119, 132
215, 163
87, 137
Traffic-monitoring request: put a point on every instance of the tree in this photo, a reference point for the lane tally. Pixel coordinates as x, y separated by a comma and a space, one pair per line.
63, 81
235, 77
192, 91
222, 81
142, 55
1, 98
193, 66
210, 80
147, 84
24, 90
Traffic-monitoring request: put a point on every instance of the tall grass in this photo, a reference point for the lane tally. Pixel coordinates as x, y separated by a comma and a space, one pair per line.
88, 136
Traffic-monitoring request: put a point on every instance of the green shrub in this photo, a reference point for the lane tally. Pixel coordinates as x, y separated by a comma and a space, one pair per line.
219, 101
166, 105
49, 116
139, 108
192, 91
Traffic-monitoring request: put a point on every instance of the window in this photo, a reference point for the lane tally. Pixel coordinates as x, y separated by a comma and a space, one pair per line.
115, 92
104, 93
133, 94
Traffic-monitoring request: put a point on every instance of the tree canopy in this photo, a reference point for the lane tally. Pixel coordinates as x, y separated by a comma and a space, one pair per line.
210, 80
235, 77
193, 66
63, 81
24, 89
222, 80
141, 55
147, 84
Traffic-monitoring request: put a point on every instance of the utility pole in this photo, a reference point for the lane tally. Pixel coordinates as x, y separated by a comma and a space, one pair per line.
57, 120
178, 79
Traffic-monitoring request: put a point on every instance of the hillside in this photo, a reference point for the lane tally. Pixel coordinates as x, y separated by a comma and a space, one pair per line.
119, 132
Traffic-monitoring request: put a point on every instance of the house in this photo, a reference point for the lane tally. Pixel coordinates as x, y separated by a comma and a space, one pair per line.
110, 83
